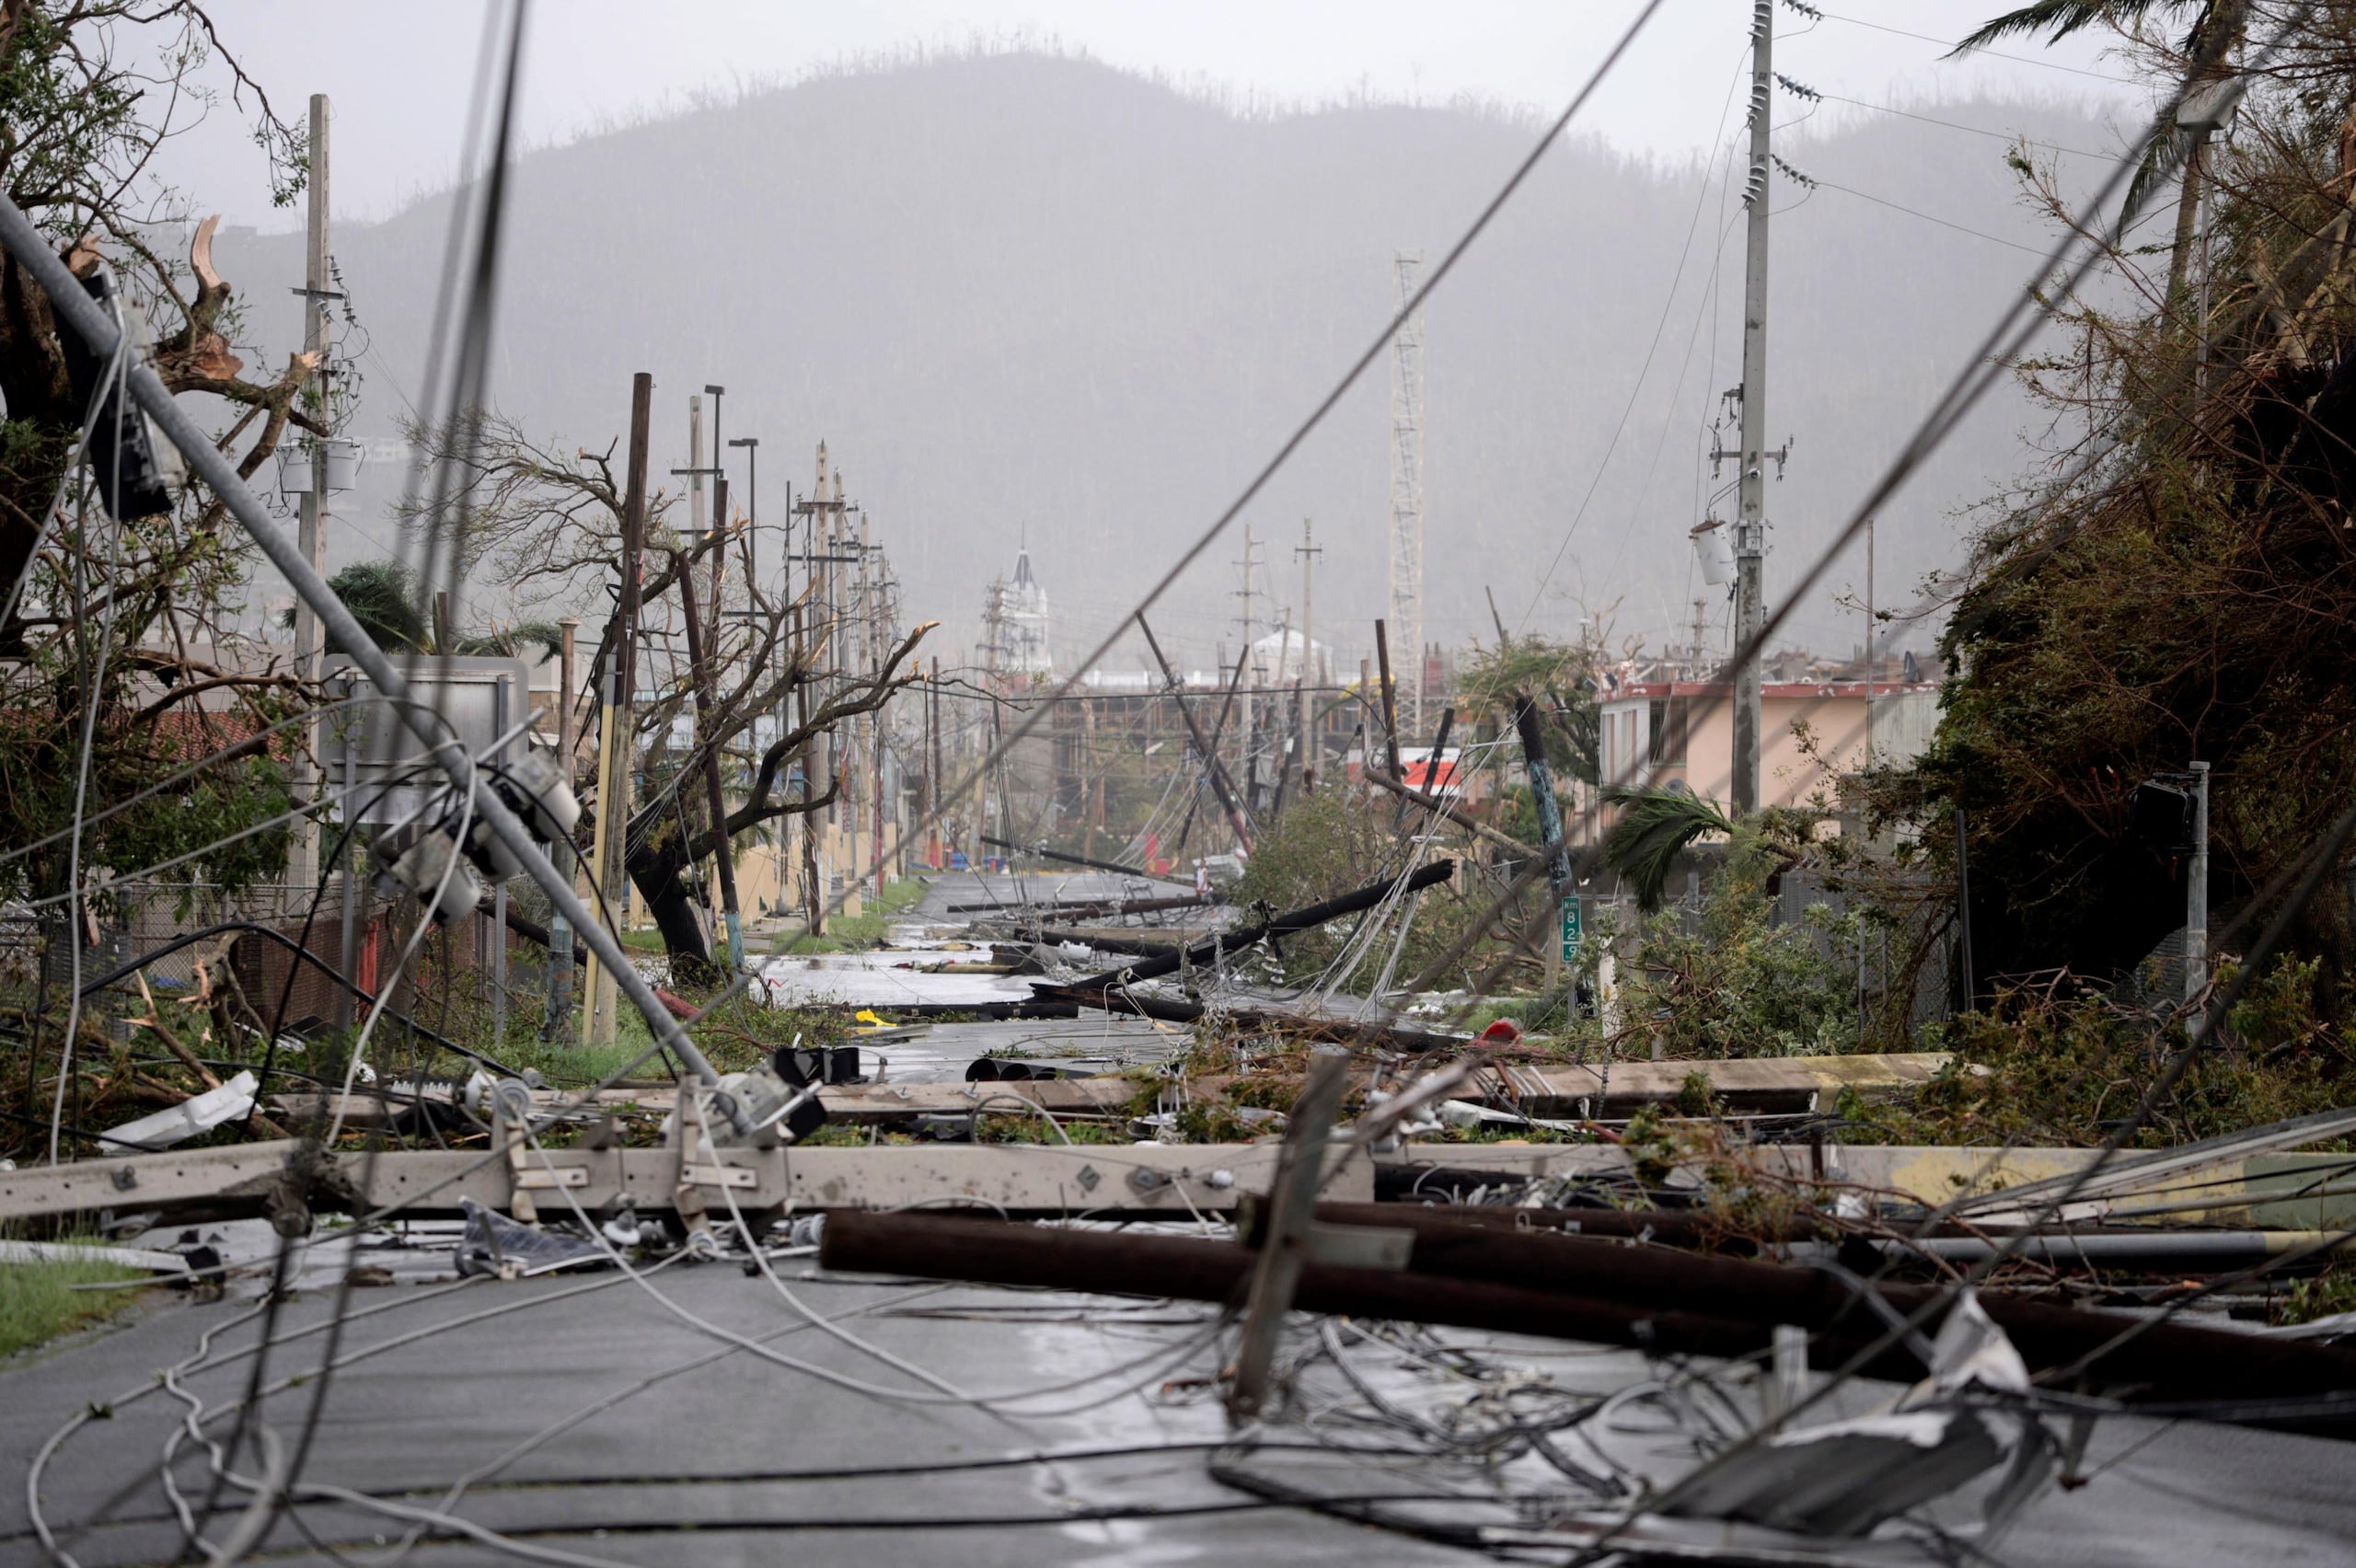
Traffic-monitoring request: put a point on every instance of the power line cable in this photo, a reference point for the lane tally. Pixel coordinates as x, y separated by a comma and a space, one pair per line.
2006, 136
1293, 443
1667, 303
1927, 217
2003, 343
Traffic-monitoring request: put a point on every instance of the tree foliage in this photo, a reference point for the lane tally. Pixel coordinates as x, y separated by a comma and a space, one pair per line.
545, 527
120, 632
1731, 980
2183, 585
1559, 676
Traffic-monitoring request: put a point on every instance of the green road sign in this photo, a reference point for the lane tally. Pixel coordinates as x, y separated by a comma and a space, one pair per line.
1572, 934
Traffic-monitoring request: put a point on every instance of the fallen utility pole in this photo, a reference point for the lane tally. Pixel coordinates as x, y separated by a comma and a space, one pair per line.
1220, 784
1699, 1229
1277, 928
1561, 1287
1097, 906
236, 1180
1179, 1010
1041, 851
77, 311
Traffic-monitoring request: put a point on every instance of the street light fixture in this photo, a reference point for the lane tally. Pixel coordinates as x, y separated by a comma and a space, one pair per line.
2170, 813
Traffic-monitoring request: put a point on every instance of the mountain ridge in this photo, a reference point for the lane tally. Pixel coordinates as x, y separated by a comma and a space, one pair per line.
1025, 293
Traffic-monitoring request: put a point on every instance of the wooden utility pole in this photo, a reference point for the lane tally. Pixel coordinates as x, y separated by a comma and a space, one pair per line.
1389, 702
310, 640
932, 767
559, 1011
618, 743
1220, 785
1251, 735
1750, 520
1308, 553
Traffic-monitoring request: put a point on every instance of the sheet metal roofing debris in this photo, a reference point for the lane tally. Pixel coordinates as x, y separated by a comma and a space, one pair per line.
197, 1113
501, 1247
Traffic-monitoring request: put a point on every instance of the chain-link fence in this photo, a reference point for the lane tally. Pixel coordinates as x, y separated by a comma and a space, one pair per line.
278, 945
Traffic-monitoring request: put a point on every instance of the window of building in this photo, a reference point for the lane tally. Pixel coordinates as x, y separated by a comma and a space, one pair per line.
1666, 741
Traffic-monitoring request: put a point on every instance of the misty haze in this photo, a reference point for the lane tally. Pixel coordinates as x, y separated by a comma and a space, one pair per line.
1034, 298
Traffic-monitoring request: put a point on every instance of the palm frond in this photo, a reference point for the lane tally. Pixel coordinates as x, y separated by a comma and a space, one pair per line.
1654, 828
381, 596
508, 642
2056, 19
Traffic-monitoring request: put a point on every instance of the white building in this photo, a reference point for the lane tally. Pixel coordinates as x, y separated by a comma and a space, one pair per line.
1022, 623
1277, 657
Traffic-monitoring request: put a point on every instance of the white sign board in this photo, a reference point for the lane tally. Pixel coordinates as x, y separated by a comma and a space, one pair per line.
368, 749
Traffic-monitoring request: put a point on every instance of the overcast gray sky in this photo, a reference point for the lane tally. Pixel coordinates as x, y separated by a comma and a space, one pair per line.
399, 74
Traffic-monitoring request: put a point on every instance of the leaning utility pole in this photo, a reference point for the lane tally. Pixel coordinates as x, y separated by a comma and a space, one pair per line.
2196, 896
618, 744
1204, 747
1750, 523
1244, 719
1308, 553
310, 646
559, 1006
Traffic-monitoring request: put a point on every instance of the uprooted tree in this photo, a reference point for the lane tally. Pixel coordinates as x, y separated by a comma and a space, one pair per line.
547, 524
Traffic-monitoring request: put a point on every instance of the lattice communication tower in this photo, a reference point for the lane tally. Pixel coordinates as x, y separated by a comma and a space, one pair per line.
1407, 496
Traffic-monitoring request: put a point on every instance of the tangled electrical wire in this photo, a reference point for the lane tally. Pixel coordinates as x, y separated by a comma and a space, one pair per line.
1502, 1418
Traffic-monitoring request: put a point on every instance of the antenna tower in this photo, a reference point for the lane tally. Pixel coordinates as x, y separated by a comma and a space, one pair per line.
1407, 484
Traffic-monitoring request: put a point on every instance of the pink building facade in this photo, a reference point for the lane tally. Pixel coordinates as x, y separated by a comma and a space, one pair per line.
1662, 732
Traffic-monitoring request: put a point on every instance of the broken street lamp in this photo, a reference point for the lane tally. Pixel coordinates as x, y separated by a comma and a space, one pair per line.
2161, 813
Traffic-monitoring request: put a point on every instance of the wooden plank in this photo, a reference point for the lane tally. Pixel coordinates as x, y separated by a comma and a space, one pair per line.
1757, 1084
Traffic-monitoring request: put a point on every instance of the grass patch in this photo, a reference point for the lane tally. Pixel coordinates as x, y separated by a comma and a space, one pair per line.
38, 1301
864, 930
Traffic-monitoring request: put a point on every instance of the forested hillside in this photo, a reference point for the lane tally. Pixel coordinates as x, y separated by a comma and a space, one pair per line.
1032, 296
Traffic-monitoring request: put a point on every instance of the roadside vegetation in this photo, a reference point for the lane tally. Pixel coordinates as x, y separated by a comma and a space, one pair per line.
39, 1301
